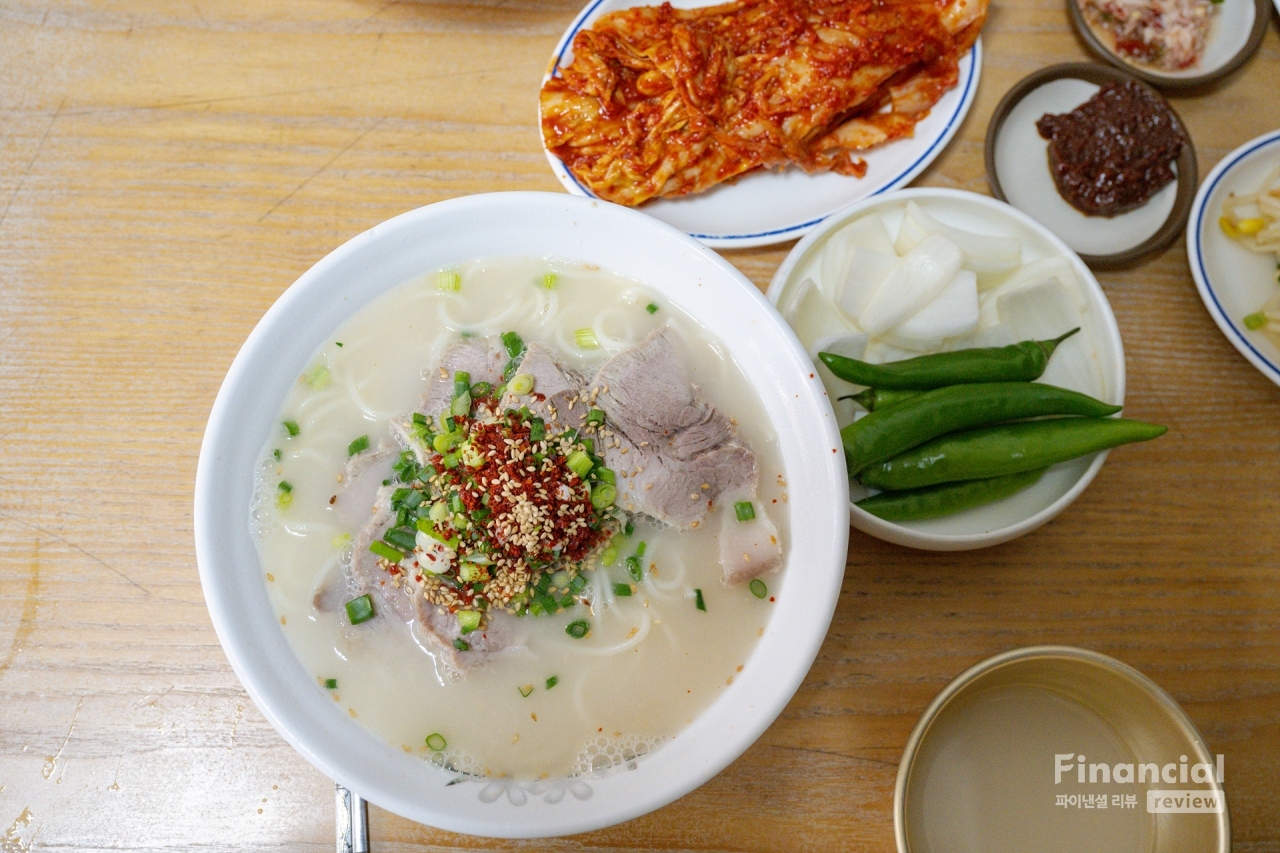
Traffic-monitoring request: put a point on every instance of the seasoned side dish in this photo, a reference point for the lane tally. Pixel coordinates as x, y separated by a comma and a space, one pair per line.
664, 102
522, 519
1167, 35
1112, 153
1253, 220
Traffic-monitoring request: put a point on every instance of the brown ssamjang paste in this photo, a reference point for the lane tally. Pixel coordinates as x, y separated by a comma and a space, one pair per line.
1113, 152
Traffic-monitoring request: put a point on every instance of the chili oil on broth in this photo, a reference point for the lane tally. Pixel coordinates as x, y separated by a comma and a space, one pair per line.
651, 662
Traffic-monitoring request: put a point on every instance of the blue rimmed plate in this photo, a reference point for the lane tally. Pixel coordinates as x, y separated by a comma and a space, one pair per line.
775, 206
1232, 280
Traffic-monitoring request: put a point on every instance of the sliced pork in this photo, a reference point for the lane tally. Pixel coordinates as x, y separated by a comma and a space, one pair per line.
558, 395
483, 360
673, 452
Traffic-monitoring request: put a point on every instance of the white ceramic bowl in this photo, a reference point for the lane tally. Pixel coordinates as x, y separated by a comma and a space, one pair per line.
1063, 483
677, 268
1233, 281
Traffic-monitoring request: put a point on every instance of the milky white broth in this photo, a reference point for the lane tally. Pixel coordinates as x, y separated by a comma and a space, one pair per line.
651, 663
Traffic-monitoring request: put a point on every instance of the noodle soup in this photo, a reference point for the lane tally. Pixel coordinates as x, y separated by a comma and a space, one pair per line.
557, 700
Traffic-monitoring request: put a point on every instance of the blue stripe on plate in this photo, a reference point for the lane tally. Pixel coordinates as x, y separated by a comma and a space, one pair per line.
1204, 273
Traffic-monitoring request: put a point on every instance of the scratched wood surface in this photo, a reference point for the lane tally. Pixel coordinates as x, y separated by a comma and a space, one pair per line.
167, 169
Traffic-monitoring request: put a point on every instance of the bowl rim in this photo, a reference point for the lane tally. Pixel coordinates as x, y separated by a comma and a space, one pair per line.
897, 533
1258, 31
1013, 657
275, 679
1092, 72
1195, 255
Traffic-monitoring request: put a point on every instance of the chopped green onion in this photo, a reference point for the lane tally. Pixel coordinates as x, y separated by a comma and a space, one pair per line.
578, 629
358, 446
360, 609
402, 539
455, 502
565, 601
595, 416
589, 445
578, 584
342, 540
276, 454
758, 589
606, 475
461, 644
283, 499
520, 384
413, 500
1255, 321
640, 549
549, 280
579, 463
339, 343
461, 405
698, 602
537, 429
622, 590
525, 690
513, 343
284, 486
608, 556
553, 681
447, 440
385, 551
586, 339
744, 510
468, 620
652, 308
481, 389
536, 608
331, 683
436, 741
449, 280
318, 378
628, 528
603, 495
635, 569
291, 427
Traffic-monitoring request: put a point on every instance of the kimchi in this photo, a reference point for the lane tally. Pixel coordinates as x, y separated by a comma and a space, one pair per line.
664, 102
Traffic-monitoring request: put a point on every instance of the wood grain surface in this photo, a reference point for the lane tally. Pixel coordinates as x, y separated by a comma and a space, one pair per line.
168, 168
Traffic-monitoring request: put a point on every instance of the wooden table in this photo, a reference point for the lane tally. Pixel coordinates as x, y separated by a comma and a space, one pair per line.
167, 169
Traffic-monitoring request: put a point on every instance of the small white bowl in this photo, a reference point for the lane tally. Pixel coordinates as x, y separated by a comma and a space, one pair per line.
1010, 518
678, 269
1233, 281
1235, 32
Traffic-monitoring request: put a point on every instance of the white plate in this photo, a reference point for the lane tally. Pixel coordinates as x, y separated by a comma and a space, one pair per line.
1232, 280
778, 205
1010, 518
556, 225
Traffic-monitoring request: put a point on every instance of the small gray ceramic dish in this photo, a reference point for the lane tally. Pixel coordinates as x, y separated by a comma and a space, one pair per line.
1018, 171
1234, 35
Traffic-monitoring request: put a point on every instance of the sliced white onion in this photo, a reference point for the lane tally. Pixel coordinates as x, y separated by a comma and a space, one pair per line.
983, 253
952, 313
867, 271
868, 233
913, 284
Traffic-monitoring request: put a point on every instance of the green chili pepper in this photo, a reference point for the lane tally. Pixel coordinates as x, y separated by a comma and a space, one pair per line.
1005, 449
874, 399
947, 498
1020, 362
888, 432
